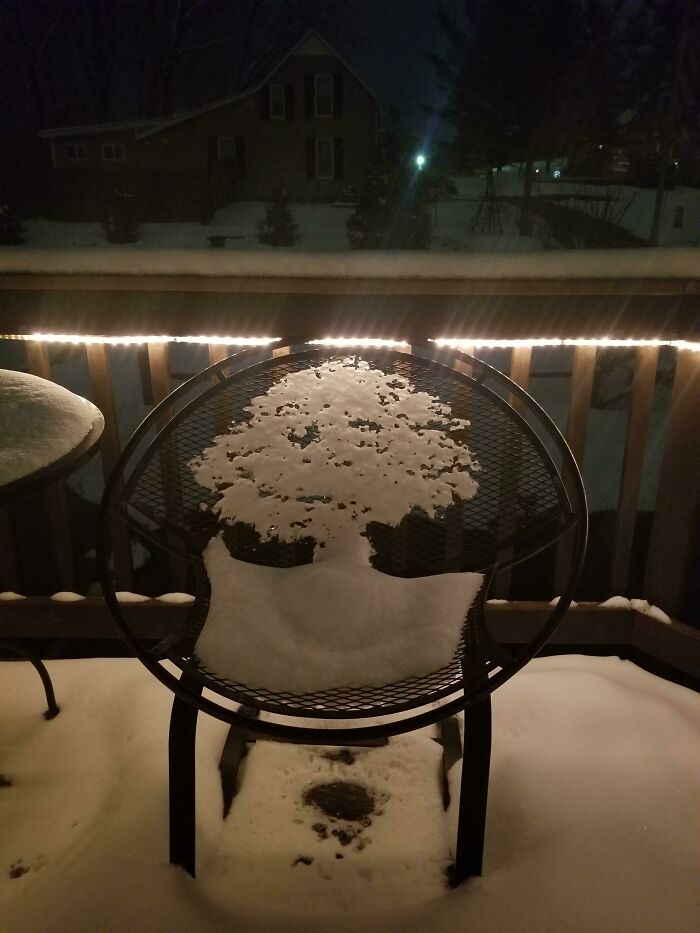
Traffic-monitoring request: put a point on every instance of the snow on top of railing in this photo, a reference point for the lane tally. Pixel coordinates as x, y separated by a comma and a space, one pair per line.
614, 602
680, 263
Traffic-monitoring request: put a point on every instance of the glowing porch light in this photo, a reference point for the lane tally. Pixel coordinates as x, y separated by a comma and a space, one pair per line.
420, 161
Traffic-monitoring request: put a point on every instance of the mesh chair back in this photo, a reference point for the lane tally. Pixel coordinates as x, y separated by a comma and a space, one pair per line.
530, 495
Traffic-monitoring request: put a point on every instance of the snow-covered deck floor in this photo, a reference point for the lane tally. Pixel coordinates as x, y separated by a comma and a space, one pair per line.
592, 821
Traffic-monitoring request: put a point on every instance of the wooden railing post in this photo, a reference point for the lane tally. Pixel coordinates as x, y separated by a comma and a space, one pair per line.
103, 396
217, 353
520, 362
675, 530
9, 573
641, 398
40, 365
582, 375
161, 386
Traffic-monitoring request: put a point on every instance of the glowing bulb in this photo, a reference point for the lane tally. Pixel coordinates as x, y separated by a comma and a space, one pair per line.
420, 161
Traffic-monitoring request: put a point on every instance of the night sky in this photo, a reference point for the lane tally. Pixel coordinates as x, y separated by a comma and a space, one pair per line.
390, 55
384, 40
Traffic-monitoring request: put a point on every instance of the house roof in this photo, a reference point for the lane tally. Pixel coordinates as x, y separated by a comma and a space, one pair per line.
311, 33
135, 125
144, 128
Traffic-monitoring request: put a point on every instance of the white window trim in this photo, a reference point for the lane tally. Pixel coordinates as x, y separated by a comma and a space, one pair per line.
283, 98
115, 147
318, 78
228, 139
325, 139
77, 147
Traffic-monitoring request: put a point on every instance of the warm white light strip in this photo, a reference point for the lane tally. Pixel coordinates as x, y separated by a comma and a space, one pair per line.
143, 339
357, 342
459, 343
448, 342
466, 344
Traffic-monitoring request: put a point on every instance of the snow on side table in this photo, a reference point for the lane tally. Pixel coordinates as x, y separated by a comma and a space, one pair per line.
40, 424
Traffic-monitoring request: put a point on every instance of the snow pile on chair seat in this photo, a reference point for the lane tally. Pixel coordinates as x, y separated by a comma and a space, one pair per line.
333, 623
40, 422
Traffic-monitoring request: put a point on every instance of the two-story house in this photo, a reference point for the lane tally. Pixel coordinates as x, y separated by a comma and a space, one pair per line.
310, 125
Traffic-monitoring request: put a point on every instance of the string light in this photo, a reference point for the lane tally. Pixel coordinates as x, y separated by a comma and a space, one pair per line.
357, 342
141, 339
457, 343
631, 342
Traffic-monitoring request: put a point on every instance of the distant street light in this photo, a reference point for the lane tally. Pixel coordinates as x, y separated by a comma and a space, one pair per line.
420, 161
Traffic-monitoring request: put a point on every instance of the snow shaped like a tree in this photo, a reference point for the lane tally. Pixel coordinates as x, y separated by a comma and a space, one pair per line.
328, 449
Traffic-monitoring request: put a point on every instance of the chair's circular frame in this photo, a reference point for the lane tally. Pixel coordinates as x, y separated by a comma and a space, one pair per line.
455, 697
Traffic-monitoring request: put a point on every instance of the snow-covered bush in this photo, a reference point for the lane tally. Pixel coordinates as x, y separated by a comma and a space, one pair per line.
394, 204
393, 208
11, 228
121, 224
278, 227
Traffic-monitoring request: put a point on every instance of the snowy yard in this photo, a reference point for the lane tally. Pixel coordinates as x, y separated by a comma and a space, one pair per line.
323, 225
592, 822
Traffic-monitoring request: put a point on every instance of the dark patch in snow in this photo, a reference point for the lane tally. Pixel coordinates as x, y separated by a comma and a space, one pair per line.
302, 860
17, 869
342, 800
343, 755
4, 781
321, 830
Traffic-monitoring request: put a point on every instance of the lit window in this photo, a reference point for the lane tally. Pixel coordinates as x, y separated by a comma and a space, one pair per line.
324, 158
75, 152
113, 152
277, 111
226, 147
324, 95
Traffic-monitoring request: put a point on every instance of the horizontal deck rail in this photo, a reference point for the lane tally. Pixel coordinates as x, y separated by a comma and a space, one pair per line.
588, 628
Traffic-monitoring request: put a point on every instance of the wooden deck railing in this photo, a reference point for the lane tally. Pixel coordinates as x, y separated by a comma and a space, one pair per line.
471, 309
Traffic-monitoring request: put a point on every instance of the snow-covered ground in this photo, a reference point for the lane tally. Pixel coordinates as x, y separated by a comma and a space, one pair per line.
592, 821
635, 205
322, 226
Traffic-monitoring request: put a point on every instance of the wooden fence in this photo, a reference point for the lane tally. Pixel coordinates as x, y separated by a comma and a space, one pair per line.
515, 312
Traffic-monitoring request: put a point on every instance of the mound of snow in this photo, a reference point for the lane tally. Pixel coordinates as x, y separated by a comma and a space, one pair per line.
334, 623
616, 602
40, 422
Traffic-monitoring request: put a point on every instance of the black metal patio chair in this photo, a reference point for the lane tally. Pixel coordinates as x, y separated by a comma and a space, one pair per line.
530, 498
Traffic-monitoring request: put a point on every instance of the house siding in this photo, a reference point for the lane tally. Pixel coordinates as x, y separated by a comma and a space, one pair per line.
174, 175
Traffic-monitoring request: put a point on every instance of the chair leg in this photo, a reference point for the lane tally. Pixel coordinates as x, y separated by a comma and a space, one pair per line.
451, 743
181, 760
234, 751
53, 708
471, 824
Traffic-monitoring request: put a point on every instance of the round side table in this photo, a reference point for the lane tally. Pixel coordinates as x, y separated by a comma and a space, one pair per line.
46, 432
